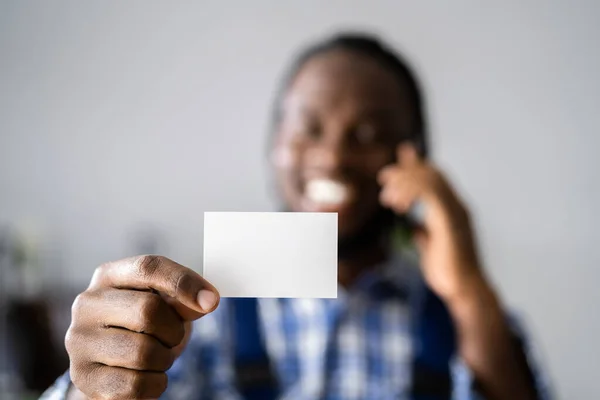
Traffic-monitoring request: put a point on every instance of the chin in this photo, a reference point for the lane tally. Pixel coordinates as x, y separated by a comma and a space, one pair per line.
345, 232
349, 228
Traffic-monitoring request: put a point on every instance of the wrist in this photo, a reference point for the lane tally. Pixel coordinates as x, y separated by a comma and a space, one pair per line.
473, 291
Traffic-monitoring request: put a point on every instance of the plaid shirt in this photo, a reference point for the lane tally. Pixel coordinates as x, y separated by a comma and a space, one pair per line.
357, 346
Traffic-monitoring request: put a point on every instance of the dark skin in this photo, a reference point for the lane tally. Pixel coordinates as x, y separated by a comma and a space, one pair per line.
345, 120
341, 123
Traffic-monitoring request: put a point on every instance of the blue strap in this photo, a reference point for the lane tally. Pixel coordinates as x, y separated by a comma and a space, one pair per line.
255, 379
433, 336
434, 341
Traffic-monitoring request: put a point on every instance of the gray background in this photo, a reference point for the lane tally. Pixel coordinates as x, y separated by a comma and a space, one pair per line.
115, 114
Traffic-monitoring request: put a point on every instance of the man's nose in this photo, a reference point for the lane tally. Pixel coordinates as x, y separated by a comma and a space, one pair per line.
328, 154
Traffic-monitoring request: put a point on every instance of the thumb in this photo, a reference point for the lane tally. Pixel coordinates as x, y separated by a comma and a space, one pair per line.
407, 155
187, 314
421, 238
185, 290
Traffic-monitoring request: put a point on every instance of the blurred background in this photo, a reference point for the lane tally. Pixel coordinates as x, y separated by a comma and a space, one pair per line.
122, 122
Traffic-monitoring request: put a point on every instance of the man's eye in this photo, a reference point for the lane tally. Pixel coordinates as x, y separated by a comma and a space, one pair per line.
365, 134
311, 131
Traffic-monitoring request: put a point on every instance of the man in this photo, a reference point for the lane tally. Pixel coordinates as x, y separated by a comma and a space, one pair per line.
349, 136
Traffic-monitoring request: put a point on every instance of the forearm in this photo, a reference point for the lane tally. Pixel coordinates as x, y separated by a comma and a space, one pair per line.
486, 345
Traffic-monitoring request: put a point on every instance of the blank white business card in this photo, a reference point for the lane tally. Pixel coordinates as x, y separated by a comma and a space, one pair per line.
271, 254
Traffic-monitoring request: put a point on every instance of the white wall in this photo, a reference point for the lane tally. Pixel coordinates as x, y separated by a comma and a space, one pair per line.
118, 113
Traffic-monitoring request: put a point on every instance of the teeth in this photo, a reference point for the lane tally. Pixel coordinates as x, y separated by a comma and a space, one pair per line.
327, 191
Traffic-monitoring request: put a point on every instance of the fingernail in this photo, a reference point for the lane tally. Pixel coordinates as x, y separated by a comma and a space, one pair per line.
207, 299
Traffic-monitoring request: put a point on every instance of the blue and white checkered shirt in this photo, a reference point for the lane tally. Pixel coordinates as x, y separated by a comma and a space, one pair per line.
357, 346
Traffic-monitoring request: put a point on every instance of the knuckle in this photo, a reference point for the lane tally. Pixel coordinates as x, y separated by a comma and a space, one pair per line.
133, 385
100, 272
119, 384
71, 343
185, 284
79, 305
148, 308
144, 350
138, 385
82, 344
160, 383
84, 303
77, 376
178, 333
145, 266
81, 375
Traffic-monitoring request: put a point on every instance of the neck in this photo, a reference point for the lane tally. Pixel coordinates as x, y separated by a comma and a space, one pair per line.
366, 248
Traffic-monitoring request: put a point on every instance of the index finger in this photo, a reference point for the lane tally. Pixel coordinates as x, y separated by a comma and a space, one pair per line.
407, 155
162, 275
386, 173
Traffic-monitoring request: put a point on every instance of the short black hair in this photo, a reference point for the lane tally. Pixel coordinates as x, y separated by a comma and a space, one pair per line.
373, 47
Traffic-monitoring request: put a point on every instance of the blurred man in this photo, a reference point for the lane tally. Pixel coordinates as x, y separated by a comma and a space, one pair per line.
349, 136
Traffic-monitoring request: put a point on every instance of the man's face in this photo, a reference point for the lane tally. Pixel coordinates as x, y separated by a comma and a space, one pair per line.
342, 118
